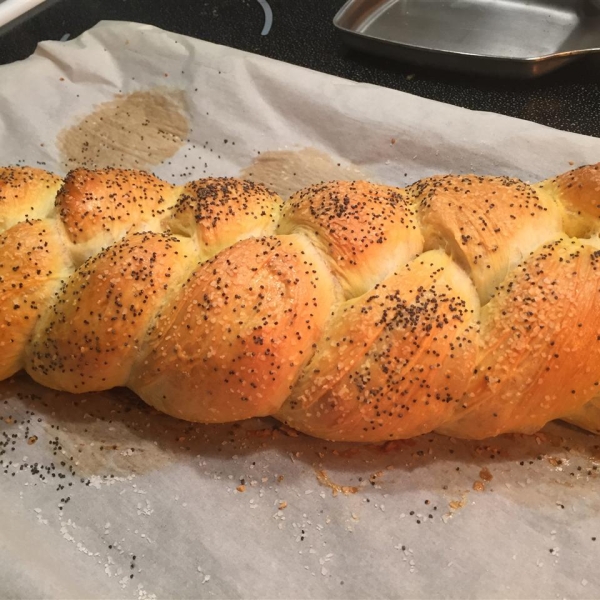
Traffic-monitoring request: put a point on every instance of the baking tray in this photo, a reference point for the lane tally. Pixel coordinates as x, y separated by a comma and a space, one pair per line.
517, 38
13, 9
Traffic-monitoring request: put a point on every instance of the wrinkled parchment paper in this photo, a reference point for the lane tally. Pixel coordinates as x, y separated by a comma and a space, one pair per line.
101, 497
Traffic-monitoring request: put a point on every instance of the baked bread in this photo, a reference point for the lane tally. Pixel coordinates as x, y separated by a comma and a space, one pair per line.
463, 304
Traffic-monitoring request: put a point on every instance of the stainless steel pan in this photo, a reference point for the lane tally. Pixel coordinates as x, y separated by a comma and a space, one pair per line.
523, 38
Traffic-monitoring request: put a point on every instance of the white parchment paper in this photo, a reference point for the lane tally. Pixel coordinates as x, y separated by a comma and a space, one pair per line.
101, 497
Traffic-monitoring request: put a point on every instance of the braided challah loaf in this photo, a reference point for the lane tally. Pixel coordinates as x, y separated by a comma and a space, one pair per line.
462, 304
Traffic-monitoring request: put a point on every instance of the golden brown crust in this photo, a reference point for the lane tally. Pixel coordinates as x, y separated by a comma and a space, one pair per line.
233, 341
219, 212
391, 365
26, 194
364, 230
487, 224
91, 336
98, 208
460, 305
578, 192
586, 417
32, 263
540, 351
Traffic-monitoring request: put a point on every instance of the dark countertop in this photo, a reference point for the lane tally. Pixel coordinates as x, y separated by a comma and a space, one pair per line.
303, 34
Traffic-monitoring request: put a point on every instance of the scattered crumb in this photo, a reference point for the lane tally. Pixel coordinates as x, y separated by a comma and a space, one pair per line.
323, 479
485, 474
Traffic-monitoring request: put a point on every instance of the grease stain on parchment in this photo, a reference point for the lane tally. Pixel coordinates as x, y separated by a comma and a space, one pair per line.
287, 171
134, 131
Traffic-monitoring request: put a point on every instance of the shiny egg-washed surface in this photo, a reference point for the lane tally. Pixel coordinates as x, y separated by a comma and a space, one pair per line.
467, 305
